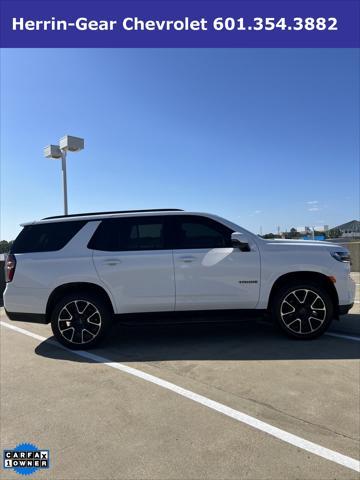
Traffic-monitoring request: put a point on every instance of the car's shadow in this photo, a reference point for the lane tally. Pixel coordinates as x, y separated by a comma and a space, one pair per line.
243, 341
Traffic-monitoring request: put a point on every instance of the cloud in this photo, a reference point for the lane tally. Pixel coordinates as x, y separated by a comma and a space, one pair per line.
255, 212
313, 206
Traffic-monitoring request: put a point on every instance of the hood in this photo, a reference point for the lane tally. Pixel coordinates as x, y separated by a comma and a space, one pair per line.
303, 243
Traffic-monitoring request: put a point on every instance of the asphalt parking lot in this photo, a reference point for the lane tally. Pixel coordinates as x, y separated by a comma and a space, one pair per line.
186, 402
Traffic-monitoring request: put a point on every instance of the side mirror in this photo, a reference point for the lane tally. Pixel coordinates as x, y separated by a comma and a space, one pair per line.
240, 241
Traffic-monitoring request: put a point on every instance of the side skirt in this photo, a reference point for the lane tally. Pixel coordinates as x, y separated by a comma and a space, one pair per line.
189, 316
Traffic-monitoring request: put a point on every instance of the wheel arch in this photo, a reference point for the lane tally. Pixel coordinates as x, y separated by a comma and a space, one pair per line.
73, 287
306, 276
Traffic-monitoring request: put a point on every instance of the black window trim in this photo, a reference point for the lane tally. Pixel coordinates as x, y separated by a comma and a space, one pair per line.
169, 231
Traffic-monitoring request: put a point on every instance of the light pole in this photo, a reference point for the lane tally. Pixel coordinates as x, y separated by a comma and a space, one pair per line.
63, 168
66, 144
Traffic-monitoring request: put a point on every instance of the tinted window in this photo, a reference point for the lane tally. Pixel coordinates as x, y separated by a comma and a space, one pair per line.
199, 232
127, 234
45, 237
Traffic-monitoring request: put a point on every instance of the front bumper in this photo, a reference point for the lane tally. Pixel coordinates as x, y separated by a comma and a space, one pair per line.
344, 309
346, 288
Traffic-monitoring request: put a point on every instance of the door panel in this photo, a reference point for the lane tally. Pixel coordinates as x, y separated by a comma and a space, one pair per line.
133, 260
140, 281
209, 272
216, 278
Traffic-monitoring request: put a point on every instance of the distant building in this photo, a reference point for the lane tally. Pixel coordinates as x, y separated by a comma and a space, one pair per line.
321, 228
308, 230
347, 230
303, 230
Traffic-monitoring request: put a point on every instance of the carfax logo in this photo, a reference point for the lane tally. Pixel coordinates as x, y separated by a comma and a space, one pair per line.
26, 459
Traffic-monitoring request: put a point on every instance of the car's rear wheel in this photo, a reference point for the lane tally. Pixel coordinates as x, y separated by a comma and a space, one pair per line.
303, 311
80, 320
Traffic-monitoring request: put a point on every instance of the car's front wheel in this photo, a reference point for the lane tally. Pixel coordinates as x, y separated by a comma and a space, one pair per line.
303, 311
80, 320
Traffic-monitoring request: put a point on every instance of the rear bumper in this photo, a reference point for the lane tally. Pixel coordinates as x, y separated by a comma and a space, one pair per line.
27, 317
344, 309
23, 302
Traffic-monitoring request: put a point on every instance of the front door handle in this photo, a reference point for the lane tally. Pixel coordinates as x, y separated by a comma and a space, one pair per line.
187, 259
112, 261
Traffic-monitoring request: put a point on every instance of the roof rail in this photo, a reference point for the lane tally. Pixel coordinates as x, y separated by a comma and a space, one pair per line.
116, 211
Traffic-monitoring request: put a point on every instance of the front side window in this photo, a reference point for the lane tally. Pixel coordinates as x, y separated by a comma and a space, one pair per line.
192, 232
129, 234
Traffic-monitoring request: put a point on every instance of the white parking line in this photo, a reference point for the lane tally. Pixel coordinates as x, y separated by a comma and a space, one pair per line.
287, 437
341, 335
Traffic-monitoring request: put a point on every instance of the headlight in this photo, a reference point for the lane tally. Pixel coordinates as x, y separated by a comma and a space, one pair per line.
341, 256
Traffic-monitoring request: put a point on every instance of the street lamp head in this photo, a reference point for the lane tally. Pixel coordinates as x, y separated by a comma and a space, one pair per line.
71, 144
52, 151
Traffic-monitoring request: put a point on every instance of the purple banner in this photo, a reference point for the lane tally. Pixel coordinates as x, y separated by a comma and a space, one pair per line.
165, 23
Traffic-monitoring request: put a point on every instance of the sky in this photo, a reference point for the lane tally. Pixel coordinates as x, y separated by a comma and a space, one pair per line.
267, 138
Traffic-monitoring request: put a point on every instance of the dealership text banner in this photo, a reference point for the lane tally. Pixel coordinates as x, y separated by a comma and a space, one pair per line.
167, 23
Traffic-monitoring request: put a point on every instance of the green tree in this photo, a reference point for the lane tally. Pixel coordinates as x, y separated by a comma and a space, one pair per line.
5, 246
293, 233
334, 233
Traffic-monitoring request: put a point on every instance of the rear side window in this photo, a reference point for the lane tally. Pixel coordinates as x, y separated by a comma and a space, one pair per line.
46, 237
128, 234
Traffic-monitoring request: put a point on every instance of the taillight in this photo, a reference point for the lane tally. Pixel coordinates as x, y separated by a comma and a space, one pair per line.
10, 265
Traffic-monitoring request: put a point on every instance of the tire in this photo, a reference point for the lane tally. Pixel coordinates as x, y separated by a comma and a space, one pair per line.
302, 311
80, 320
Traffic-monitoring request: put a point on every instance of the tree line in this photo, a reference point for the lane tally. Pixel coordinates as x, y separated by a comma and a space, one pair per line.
5, 246
294, 234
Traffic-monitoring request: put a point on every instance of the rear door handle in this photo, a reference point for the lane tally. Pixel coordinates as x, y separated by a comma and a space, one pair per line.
187, 259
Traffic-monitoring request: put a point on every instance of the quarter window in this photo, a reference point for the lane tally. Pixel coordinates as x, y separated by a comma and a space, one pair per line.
46, 237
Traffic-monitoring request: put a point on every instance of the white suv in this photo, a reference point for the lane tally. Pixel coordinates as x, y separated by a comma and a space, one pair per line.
80, 271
